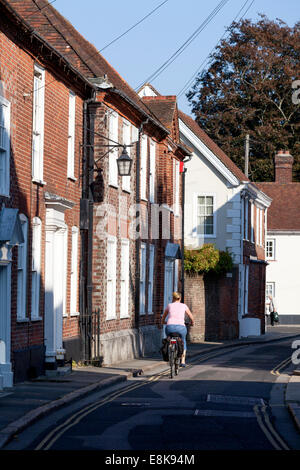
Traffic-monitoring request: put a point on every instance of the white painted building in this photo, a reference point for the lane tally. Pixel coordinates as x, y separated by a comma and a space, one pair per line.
283, 241
224, 208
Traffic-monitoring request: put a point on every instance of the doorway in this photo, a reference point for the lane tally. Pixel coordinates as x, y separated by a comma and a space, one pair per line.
6, 375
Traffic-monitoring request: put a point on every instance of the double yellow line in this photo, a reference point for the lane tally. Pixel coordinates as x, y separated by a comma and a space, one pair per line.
281, 365
56, 433
266, 426
261, 412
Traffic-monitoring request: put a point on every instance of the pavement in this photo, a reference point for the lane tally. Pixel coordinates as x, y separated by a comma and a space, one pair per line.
28, 401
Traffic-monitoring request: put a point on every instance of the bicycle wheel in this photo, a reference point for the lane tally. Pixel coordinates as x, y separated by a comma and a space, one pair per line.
176, 365
172, 361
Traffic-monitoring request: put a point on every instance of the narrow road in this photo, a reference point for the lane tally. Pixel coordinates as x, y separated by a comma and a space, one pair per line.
229, 401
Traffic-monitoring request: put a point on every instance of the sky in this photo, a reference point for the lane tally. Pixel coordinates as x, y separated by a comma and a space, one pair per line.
146, 47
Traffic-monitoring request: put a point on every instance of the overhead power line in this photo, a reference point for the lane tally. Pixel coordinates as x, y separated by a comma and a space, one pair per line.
190, 39
201, 67
132, 27
40, 9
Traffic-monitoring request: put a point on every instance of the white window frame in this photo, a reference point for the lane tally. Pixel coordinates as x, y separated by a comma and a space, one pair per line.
271, 241
246, 233
252, 222
74, 272
65, 270
152, 171
124, 279
151, 278
71, 135
176, 266
126, 180
143, 255
113, 153
143, 167
176, 168
203, 235
111, 280
36, 250
22, 272
270, 291
5, 148
261, 226
38, 125
246, 289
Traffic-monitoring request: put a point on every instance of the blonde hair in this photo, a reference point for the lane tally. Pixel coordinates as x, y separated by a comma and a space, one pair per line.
176, 296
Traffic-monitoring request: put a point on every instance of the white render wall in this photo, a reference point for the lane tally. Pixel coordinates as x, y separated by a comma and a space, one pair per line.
203, 177
285, 272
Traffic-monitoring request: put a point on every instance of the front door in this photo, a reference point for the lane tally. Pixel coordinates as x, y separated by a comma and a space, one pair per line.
169, 281
55, 283
6, 375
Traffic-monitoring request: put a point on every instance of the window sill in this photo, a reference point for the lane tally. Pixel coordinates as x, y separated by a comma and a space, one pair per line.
125, 318
144, 199
33, 319
5, 195
23, 320
111, 318
202, 235
112, 185
72, 178
75, 314
126, 190
38, 181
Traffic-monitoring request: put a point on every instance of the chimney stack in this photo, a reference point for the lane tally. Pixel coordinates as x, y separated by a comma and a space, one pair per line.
283, 167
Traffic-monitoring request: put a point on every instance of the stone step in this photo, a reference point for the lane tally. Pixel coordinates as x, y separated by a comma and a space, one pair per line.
59, 372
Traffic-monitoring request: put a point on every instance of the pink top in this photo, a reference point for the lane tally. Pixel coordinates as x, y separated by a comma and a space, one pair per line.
176, 313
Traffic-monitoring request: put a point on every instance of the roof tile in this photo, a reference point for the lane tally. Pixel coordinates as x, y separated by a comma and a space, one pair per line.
284, 212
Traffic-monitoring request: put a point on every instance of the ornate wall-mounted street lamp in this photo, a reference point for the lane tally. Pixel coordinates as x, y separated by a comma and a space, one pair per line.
124, 163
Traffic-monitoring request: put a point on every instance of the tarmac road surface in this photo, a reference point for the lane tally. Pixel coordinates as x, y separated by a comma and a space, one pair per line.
230, 400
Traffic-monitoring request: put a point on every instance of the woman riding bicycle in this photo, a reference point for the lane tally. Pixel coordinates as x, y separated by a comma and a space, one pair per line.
175, 324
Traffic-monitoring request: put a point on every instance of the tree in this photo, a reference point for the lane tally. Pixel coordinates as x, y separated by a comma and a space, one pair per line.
247, 89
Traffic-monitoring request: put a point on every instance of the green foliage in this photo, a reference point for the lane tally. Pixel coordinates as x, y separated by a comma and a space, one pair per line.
207, 259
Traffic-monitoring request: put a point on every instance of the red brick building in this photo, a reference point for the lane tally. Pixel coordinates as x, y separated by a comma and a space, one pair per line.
41, 119
128, 275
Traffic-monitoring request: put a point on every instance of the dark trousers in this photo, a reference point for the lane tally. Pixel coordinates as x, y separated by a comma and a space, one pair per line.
272, 318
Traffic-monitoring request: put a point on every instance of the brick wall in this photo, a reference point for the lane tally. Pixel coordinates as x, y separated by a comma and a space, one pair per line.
214, 304
16, 85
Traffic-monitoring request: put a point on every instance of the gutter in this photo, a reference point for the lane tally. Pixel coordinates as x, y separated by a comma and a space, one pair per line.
138, 239
140, 110
86, 226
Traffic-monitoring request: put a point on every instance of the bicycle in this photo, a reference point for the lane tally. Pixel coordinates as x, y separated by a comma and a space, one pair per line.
174, 359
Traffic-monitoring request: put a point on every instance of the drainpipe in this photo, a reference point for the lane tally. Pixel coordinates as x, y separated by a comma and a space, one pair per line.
86, 222
182, 227
138, 240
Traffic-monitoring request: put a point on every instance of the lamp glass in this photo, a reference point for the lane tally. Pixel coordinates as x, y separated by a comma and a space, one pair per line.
124, 164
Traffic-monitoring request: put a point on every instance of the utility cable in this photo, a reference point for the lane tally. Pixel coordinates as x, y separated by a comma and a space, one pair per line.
180, 50
40, 9
200, 68
98, 52
132, 27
